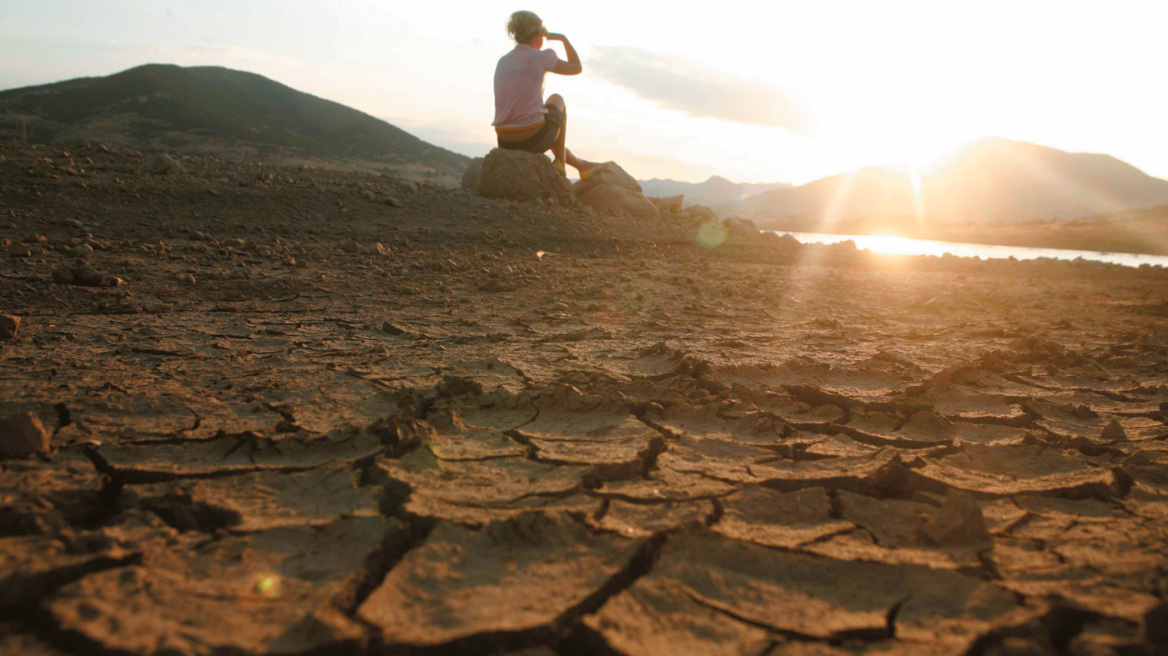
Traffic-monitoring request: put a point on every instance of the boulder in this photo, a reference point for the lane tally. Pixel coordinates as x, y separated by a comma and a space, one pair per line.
740, 227
519, 175
700, 214
609, 188
9, 324
668, 204
472, 175
22, 435
165, 165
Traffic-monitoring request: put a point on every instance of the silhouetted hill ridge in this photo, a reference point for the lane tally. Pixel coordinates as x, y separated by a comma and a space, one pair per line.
167, 106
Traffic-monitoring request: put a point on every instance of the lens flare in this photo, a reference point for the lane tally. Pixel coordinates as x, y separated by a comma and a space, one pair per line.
711, 234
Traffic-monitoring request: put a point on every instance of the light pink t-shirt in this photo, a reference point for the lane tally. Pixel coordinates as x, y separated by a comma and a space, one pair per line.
519, 86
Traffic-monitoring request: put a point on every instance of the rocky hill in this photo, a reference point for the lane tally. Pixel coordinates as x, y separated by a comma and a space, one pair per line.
215, 110
992, 180
716, 192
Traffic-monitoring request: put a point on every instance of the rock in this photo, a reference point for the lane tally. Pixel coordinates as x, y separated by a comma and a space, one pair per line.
958, 522
473, 174
1156, 626
609, 188
392, 202
1114, 431
740, 226
164, 165
8, 326
700, 213
63, 275
350, 246
519, 175
89, 277
81, 251
668, 204
22, 435
19, 250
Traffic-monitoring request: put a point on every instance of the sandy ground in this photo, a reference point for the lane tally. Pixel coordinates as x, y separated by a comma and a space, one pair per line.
308, 411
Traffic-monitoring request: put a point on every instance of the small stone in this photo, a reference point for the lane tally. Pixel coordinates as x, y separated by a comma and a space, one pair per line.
8, 326
388, 327
198, 235
958, 522
85, 275
22, 435
383, 250
234, 243
63, 275
81, 251
19, 250
392, 202
350, 246
1114, 431
165, 165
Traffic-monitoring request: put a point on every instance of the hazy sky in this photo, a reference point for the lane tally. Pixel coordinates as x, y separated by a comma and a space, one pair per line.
754, 91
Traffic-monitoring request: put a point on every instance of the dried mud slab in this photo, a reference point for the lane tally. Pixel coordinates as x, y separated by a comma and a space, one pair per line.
512, 578
227, 456
776, 519
189, 600
477, 492
895, 531
637, 520
31, 566
1007, 470
659, 616
39, 497
664, 485
614, 446
266, 500
807, 596
756, 428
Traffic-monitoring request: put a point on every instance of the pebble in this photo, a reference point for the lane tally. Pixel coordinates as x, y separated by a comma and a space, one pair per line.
81, 251
1114, 431
350, 246
19, 250
9, 324
22, 435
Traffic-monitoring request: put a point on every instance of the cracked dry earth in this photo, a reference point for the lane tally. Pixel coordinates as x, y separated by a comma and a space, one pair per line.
276, 437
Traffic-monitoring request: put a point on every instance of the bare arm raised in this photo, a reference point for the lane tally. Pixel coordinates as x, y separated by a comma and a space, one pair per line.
572, 66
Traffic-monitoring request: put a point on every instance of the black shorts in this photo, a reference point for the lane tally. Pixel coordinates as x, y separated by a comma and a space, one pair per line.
541, 141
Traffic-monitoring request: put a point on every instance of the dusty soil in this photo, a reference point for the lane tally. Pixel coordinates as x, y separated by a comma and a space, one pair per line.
311, 411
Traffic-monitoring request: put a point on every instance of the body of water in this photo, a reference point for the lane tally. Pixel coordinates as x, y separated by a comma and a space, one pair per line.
893, 245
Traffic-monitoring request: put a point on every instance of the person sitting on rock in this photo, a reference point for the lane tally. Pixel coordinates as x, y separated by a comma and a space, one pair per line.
523, 121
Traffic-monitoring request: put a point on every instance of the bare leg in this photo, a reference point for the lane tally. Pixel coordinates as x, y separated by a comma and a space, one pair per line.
560, 151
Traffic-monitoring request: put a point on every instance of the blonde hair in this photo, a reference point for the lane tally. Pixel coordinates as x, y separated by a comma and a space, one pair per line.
525, 26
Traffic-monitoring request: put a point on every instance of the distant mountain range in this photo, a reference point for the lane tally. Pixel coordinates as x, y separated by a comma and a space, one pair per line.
212, 109
717, 192
990, 180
